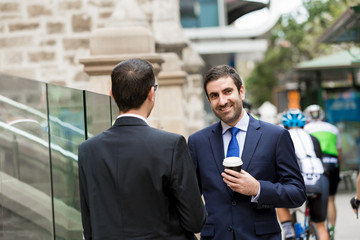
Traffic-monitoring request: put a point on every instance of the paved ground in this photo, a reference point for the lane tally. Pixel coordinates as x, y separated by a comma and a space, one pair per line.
347, 226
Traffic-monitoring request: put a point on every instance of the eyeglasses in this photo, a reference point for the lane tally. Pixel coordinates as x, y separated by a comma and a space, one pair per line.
155, 86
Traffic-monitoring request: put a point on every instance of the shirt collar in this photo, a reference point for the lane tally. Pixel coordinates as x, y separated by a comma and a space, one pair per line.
242, 124
133, 115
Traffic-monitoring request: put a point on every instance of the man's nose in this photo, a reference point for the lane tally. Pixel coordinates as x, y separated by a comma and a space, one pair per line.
222, 99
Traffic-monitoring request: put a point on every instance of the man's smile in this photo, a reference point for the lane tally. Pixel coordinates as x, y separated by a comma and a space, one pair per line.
225, 108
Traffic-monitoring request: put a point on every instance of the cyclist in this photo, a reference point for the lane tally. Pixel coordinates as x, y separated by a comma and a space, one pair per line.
329, 138
308, 151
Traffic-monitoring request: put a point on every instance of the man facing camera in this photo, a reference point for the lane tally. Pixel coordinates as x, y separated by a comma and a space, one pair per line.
138, 182
241, 204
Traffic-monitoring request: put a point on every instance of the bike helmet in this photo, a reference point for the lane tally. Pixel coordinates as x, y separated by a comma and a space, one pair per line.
293, 118
314, 112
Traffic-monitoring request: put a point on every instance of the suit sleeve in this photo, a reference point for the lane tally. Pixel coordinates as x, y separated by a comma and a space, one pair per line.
288, 190
195, 161
190, 207
85, 212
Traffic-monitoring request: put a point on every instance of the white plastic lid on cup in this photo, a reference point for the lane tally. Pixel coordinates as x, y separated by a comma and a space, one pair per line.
232, 162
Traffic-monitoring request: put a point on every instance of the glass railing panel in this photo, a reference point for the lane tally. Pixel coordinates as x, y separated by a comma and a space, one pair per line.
25, 192
67, 131
98, 113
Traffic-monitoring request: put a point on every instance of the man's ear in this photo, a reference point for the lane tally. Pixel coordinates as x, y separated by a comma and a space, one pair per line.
111, 94
242, 92
151, 94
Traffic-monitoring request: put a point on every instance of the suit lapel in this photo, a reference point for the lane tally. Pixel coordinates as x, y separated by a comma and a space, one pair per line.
217, 146
252, 138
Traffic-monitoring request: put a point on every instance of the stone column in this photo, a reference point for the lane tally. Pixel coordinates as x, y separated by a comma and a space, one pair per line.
193, 90
169, 37
170, 104
109, 46
150, 30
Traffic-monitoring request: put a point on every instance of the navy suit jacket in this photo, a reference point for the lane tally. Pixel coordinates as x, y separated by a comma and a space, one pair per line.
138, 182
269, 156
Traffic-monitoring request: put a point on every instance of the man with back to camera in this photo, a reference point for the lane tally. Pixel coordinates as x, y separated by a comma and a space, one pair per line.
330, 143
138, 182
241, 205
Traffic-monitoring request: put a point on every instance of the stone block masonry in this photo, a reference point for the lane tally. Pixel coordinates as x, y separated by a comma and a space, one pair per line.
44, 40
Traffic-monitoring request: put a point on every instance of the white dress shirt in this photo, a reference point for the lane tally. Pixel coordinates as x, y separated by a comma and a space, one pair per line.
133, 115
243, 126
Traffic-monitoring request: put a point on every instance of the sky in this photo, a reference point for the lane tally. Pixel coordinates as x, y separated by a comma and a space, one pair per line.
261, 17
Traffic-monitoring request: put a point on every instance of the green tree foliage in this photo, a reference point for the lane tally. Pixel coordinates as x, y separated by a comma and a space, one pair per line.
293, 39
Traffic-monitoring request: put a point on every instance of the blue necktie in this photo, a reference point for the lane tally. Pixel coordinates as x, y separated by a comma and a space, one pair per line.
233, 148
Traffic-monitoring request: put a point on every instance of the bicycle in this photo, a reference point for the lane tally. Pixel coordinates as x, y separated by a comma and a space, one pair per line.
307, 229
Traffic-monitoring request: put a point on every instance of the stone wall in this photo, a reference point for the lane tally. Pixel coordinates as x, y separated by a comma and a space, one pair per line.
44, 39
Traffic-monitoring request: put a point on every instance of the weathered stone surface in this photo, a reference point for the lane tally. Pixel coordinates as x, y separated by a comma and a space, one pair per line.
55, 27
105, 15
52, 50
23, 27
41, 56
9, 42
24, 72
49, 42
81, 23
121, 40
81, 76
8, 16
103, 3
54, 74
71, 44
9, 7
128, 13
38, 10
13, 58
69, 5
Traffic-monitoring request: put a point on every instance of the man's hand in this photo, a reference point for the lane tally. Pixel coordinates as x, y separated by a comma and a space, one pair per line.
355, 205
241, 182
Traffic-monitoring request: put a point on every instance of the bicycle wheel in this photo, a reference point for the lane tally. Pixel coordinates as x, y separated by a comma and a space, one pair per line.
312, 232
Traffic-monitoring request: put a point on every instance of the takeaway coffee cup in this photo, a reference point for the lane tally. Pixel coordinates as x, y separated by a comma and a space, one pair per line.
233, 163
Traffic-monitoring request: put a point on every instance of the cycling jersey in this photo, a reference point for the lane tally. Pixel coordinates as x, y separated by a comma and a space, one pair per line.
328, 136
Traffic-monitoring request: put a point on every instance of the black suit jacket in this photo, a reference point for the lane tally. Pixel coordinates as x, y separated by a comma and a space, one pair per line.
138, 182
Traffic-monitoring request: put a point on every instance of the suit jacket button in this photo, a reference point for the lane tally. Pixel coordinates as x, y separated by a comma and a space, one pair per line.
233, 203
229, 228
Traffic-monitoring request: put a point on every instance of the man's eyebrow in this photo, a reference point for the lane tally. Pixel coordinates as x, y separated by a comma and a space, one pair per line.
213, 93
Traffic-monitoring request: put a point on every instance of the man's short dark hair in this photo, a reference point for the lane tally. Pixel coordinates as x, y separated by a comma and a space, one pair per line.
131, 81
222, 71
